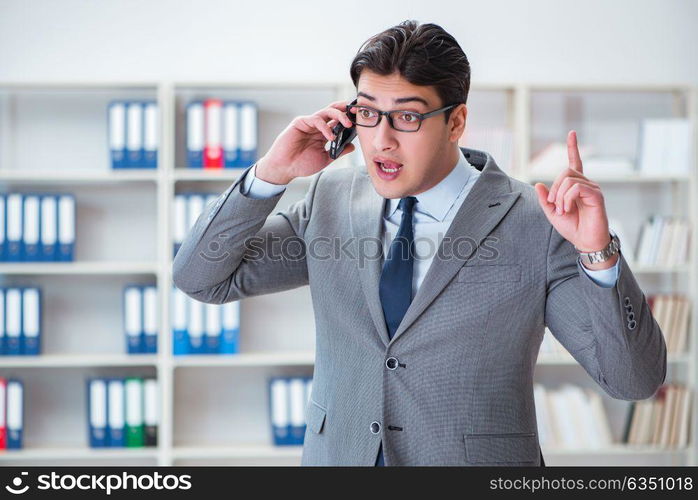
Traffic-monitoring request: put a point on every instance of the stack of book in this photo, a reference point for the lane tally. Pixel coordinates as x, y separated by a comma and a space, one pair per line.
571, 417
141, 319
11, 414
288, 399
664, 241
672, 313
20, 321
662, 421
133, 134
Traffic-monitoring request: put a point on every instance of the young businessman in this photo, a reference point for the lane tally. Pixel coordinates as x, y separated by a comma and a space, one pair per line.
430, 318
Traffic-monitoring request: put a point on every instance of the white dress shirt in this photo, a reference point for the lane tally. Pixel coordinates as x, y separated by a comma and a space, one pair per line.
433, 213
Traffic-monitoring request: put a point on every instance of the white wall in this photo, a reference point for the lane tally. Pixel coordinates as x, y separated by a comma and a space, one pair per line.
646, 41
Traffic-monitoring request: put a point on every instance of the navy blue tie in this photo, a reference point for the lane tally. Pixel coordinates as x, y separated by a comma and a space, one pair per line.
396, 278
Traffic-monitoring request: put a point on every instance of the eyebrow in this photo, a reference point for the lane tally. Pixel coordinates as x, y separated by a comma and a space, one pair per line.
399, 100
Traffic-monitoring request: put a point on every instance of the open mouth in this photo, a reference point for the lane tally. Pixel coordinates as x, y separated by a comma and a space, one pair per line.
389, 167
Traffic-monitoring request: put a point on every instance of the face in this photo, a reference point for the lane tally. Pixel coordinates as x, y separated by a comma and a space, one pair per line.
422, 158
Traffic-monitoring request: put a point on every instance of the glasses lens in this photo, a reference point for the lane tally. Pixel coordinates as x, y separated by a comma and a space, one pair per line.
405, 121
365, 117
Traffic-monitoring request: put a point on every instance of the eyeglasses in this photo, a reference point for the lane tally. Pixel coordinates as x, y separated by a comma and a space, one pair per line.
403, 121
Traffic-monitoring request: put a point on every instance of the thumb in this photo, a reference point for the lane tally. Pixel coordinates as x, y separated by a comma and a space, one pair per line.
542, 191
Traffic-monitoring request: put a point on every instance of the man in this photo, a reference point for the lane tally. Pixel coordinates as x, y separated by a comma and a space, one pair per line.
426, 358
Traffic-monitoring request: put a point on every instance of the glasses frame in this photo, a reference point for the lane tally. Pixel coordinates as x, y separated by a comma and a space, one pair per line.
422, 116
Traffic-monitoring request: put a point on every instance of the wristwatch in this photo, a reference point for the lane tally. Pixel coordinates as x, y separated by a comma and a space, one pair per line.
602, 255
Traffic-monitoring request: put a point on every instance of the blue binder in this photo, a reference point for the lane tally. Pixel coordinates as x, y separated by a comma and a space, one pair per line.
116, 412
195, 327
133, 318
213, 328
134, 134
66, 227
117, 134
231, 134
14, 227
297, 404
3, 228
279, 411
48, 246
231, 328
13, 321
180, 314
31, 220
150, 320
248, 133
97, 406
15, 414
30, 339
150, 134
195, 134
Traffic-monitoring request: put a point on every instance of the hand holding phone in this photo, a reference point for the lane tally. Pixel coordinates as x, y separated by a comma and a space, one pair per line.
343, 135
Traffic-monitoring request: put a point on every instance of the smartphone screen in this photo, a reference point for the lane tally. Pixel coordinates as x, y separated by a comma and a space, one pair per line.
343, 136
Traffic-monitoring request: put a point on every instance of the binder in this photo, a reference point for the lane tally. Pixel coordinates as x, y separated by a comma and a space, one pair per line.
150, 411
296, 388
13, 317
30, 340
134, 134
196, 327
115, 413
66, 227
213, 125
150, 320
30, 230
180, 335
150, 134
195, 134
97, 413
117, 134
213, 329
195, 205
180, 221
3, 341
134, 412
3, 221
231, 134
133, 319
48, 247
248, 133
15, 414
13, 234
231, 328
279, 404
3, 412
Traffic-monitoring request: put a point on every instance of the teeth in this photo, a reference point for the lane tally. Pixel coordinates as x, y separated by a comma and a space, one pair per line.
388, 170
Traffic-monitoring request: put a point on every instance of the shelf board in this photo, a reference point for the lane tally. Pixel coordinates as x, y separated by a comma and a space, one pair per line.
615, 449
77, 267
238, 451
553, 360
200, 174
80, 176
298, 358
76, 452
77, 360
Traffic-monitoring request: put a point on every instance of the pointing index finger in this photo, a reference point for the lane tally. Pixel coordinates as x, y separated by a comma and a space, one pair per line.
573, 152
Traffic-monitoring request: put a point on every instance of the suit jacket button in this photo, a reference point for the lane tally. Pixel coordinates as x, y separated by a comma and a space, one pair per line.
631, 316
375, 427
626, 300
632, 324
391, 363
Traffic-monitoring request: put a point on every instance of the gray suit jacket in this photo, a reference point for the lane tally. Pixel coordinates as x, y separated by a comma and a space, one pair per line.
462, 390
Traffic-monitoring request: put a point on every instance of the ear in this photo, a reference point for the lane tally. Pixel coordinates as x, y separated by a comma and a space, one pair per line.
456, 122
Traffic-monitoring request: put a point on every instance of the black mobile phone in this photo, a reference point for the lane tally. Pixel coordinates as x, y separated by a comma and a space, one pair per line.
343, 135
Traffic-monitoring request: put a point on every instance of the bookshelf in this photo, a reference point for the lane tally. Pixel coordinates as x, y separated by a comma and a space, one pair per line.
213, 409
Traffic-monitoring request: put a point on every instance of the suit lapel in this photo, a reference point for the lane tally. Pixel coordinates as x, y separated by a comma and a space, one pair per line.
489, 200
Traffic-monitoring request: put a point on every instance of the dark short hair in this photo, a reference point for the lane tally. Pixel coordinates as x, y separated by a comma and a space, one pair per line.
423, 54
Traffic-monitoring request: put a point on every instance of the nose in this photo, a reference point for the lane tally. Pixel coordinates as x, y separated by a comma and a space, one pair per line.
384, 136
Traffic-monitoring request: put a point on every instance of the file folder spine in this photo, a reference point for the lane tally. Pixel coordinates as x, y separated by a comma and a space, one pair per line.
3, 315
117, 134
3, 413
66, 227
213, 150
150, 411
3, 225
13, 318
195, 134
180, 335
151, 131
31, 321
133, 318
248, 133
231, 328
15, 414
134, 134
115, 412
14, 227
49, 228
279, 406
97, 411
231, 134
134, 412
150, 320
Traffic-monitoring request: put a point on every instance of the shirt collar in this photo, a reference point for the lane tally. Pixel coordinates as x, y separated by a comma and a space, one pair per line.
438, 200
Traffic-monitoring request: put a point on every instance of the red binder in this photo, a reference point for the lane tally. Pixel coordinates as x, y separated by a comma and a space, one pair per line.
213, 129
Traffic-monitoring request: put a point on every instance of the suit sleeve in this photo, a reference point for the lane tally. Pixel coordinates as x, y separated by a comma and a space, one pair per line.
610, 331
236, 249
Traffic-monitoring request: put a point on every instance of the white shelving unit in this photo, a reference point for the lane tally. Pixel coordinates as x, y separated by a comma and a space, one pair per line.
214, 409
